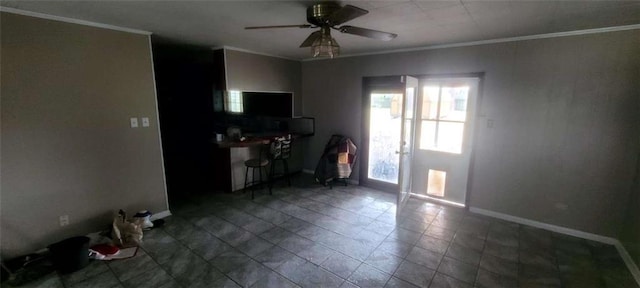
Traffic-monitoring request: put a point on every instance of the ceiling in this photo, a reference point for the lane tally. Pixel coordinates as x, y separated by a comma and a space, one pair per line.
417, 23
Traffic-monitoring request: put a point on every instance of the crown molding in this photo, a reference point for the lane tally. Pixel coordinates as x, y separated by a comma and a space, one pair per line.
431, 47
73, 21
492, 41
252, 52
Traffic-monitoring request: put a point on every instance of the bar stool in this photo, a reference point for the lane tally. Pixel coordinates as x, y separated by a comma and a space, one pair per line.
259, 163
280, 151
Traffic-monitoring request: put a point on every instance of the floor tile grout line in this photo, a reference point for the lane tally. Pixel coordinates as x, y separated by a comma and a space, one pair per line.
335, 251
483, 252
475, 282
443, 255
208, 261
274, 245
114, 274
160, 266
414, 245
477, 266
520, 245
198, 254
355, 212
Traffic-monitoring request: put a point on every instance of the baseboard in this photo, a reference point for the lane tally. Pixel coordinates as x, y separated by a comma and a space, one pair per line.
633, 268
436, 200
160, 215
546, 226
308, 171
156, 216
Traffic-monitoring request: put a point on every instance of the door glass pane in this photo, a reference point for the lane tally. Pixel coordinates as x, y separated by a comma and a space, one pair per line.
428, 135
453, 103
410, 102
384, 137
450, 137
430, 102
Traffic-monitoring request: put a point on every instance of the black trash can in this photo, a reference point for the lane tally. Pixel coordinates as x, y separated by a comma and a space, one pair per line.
71, 254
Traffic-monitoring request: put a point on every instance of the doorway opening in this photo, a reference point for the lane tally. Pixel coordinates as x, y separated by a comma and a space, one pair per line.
388, 130
423, 125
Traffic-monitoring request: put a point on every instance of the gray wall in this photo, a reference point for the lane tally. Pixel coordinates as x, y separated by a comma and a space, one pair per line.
67, 94
253, 72
565, 112
630, 235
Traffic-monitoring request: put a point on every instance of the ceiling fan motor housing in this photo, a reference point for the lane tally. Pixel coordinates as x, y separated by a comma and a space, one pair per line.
318, 14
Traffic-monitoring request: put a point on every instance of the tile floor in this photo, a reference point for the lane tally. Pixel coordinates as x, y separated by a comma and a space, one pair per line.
307, 235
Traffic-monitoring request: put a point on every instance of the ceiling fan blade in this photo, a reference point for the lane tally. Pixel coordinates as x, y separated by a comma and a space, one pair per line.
307, 42
375, 34
279, 26
345, 14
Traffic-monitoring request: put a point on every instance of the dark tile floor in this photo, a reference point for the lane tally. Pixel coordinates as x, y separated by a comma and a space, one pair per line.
307, 235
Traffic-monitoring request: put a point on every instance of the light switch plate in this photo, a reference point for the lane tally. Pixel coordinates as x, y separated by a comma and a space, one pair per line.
489, 123
145, 121
64, 220
134, 122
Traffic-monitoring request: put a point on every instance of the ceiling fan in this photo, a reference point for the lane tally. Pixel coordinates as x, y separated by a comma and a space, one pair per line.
327, 16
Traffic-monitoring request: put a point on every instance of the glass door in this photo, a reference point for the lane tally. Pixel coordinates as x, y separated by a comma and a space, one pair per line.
388, 131
406, 144
381, 137
384, 137
444, 138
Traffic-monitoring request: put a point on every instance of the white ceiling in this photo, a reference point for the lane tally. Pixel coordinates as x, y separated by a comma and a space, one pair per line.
418, 23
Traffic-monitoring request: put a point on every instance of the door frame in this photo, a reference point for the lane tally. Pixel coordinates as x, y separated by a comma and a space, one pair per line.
369, 84
404, 196
479, 116
476, 130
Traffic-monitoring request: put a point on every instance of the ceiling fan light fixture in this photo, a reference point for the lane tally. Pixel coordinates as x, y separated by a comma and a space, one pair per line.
328, 15
325, 46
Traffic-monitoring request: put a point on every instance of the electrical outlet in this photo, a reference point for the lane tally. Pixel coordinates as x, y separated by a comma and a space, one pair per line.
134, 122
145, 121
64, 220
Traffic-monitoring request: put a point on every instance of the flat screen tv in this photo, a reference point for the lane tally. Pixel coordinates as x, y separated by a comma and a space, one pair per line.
270, 104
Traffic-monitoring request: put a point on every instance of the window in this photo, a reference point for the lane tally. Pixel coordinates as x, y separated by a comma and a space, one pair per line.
233, 101
444, 112
384, 132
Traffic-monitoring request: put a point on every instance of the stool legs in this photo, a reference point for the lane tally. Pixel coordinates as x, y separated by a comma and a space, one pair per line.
261, 170
271, 176
253, 181
246, 177
285, 168
264, 169
286, 171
